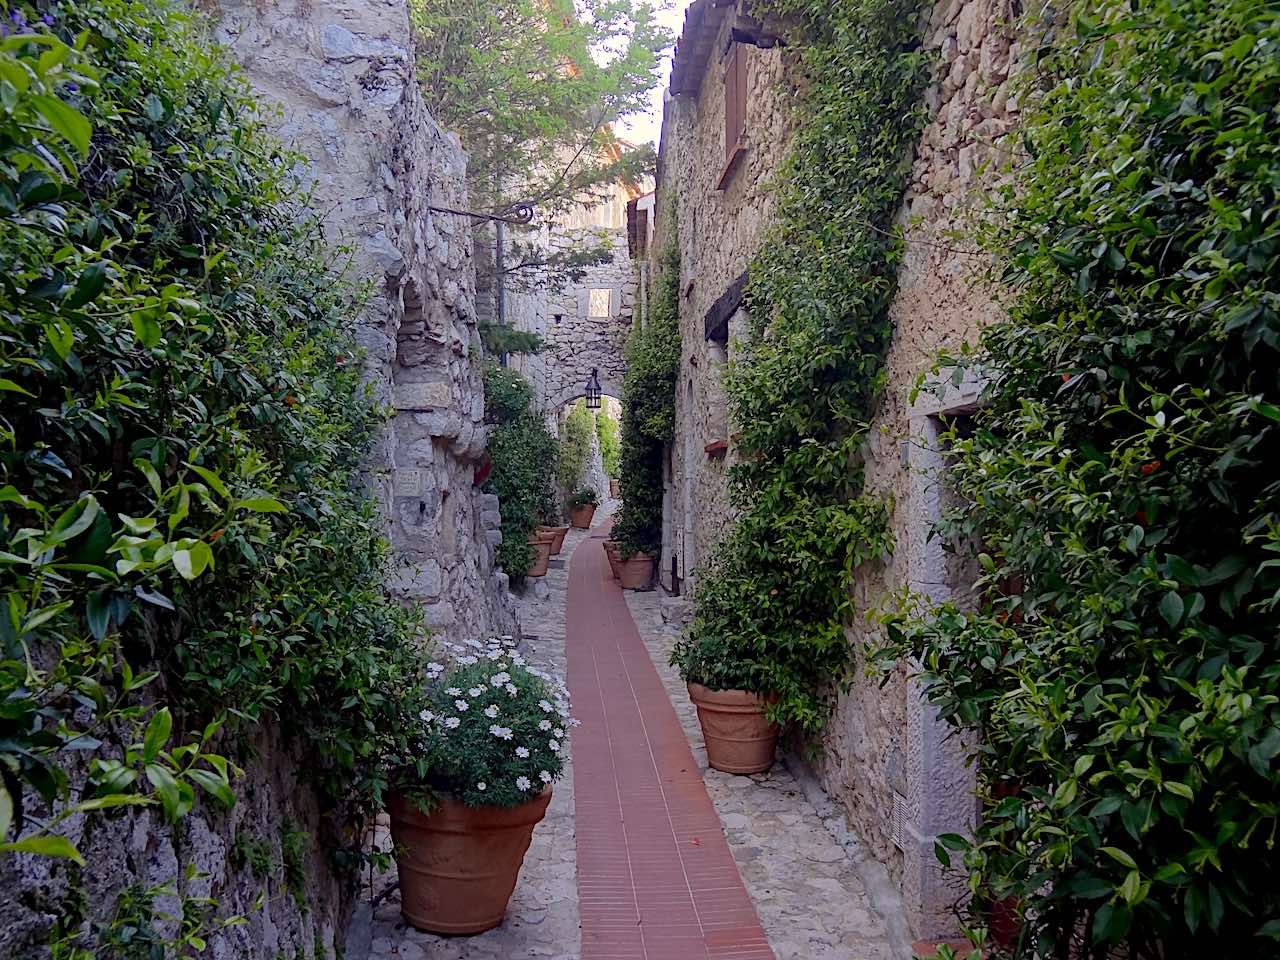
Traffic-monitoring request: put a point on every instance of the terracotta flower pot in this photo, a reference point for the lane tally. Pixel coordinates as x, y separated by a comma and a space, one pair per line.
738, 737
541, 544
611, 553
580, 517
614, 489
557, 534
458, 865
636, 571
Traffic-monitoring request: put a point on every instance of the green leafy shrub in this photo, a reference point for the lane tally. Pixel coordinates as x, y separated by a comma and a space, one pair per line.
1122, 667
648, 409
774, 597
607, 435
493, 729
575, 446
181, 435
586, 497
524, 454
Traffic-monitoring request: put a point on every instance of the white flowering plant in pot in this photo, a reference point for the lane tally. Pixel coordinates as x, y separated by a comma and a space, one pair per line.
493, 729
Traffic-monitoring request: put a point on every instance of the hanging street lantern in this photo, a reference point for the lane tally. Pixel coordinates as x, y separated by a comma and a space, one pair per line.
593, 390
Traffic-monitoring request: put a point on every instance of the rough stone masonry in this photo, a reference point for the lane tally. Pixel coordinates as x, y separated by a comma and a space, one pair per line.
343, 76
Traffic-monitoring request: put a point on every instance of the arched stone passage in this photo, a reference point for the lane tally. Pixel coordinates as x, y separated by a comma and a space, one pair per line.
571, 392
586, 329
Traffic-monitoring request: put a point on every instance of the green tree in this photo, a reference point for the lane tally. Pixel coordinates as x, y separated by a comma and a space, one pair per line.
533, 88
610, 451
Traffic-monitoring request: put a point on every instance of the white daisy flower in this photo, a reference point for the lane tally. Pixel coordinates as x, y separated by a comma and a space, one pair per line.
494, 654
502, 733
468, 660
522, 753
454, 692
452, 722
491, 711
461, 705
557, 732
546, 707
545, 776
544, 725
523, 783
554, 745
498, 679
512, 690
434, 669
473, 642
482, 786
426, 716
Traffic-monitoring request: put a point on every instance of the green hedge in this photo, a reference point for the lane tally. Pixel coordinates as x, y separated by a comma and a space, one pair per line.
1123, 668
184, 536
524, 454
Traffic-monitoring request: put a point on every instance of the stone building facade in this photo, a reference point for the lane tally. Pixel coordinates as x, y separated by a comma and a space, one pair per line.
377, 163
885, 755
343, 77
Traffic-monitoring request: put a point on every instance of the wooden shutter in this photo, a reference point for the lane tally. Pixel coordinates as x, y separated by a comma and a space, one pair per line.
735, 99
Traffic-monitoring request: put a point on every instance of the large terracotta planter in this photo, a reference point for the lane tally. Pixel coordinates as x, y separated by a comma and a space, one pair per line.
541, 544
557, 535
636, 571
458, 865
611, 553
580, 517
613, 489
738, 737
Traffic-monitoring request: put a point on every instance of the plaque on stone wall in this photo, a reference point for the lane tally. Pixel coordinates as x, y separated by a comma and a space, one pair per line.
408, 483
422, 396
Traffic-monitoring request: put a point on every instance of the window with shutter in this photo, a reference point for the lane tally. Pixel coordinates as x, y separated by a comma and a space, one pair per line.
735, 100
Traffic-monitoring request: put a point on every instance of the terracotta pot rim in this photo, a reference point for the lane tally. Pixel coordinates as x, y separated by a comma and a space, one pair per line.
450, 807
729, 698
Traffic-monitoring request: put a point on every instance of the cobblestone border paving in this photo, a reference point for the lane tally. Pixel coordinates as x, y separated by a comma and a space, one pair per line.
806, 887
542, 919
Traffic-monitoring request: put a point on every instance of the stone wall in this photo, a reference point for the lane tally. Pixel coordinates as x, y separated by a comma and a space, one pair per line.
139, 849
577, 338
885, 756
343, 75
718, 231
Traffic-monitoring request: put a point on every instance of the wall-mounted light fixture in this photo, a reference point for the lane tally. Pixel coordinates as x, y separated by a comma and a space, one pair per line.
593, 390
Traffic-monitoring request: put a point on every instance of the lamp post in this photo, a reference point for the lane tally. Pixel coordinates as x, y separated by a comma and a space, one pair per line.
593, 390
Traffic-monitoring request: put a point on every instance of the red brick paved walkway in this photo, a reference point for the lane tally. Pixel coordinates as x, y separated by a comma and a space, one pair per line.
656, 880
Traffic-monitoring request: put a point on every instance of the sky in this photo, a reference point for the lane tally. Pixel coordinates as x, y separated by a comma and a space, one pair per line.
647, 126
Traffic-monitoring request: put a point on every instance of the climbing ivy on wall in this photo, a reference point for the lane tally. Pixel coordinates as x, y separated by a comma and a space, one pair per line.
648, 408
774, 598
524, 454
185, 540
1122, 665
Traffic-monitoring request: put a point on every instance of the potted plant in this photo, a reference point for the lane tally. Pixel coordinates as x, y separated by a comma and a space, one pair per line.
726, 685
542, 544
557, 537
611, 553
634, 568
582, 507
491, 739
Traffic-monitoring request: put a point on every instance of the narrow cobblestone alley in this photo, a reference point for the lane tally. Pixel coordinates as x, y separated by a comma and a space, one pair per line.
645, 852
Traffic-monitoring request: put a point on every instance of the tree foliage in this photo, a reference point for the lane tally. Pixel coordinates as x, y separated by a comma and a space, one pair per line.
607, 435
575, 447
774, 598
184, 536
1122, 668
533, 87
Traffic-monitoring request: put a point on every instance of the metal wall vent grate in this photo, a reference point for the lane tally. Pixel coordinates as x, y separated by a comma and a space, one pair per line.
898, 819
